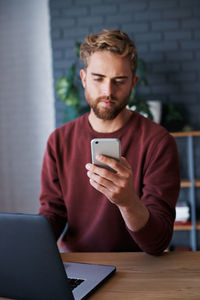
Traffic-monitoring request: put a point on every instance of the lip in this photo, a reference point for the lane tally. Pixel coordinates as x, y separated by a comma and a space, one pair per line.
106, 103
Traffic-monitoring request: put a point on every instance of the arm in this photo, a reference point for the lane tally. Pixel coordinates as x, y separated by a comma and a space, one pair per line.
149, 219
51, 199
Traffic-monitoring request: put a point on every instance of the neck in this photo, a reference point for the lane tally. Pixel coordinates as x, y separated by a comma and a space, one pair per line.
108, 126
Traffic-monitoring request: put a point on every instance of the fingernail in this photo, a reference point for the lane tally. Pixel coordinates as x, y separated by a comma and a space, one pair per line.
88, 166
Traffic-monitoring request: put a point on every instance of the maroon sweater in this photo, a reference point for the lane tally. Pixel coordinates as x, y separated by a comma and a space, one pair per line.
95, 224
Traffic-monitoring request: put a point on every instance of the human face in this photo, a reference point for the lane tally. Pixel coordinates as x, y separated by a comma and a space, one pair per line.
108, 82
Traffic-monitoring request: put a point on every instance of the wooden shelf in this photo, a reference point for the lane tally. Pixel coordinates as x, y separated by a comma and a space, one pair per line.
185, 226
182, 226
185, 133
192, 183
187, 183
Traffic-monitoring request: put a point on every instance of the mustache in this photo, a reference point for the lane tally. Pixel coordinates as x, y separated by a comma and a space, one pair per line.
107, 98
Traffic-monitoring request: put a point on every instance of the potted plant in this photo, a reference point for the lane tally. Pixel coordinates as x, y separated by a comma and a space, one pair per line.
68, 91
137, 103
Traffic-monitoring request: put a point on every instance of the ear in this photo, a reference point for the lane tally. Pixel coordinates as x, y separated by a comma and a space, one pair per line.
83, 77
135, 80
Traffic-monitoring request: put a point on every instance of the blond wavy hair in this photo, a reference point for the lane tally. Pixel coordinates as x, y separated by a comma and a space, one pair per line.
115, 41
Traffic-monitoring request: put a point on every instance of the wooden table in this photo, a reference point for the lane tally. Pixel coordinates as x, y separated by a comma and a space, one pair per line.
139, 276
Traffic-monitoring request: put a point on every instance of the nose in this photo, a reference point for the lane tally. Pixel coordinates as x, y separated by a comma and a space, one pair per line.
107, 88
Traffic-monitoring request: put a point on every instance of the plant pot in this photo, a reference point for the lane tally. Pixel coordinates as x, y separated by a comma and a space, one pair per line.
155, 107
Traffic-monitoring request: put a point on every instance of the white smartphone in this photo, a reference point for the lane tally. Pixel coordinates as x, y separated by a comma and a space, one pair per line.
107, 147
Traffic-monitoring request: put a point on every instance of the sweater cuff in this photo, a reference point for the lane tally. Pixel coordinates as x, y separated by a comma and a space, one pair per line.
149, 238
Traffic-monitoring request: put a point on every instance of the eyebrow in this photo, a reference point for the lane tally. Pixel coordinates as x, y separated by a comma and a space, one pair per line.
117, 77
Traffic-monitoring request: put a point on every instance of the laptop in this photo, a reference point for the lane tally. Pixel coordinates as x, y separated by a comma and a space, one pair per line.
31, 267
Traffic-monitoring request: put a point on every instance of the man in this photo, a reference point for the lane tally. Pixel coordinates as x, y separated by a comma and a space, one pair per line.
132, 209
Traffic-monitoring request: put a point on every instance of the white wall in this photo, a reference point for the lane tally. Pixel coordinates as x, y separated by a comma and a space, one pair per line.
26, 101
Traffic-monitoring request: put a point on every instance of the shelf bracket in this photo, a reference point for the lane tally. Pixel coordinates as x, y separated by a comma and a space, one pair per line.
192, 192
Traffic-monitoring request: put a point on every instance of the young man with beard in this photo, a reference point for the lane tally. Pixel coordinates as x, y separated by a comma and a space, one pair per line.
132, 209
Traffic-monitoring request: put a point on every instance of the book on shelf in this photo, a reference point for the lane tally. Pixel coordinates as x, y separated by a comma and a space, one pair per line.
182, 213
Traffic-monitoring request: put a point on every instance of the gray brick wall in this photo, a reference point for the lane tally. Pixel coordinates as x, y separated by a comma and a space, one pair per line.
166, 33
167, 36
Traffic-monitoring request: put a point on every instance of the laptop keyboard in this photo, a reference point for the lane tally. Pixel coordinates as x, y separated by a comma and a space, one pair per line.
74, 282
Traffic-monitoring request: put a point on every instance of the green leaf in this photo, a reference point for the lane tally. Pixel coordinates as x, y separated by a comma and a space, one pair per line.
62, 88
142, 107
73, 97
77, 48
71, 73
141, 65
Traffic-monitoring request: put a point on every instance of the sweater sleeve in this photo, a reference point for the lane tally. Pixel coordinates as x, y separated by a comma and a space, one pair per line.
161, 185
52, 205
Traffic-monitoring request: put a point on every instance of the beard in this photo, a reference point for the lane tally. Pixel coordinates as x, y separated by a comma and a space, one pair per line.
107, 113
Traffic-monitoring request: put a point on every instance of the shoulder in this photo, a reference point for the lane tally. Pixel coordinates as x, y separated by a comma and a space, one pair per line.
148, 129
70, 127
65, 132
150, 137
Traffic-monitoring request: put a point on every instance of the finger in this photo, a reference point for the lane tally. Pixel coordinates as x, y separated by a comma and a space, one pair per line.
115, 185
101, 171
100, 180
125, 162
110, 193
100, 188
121, 167
110, 162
